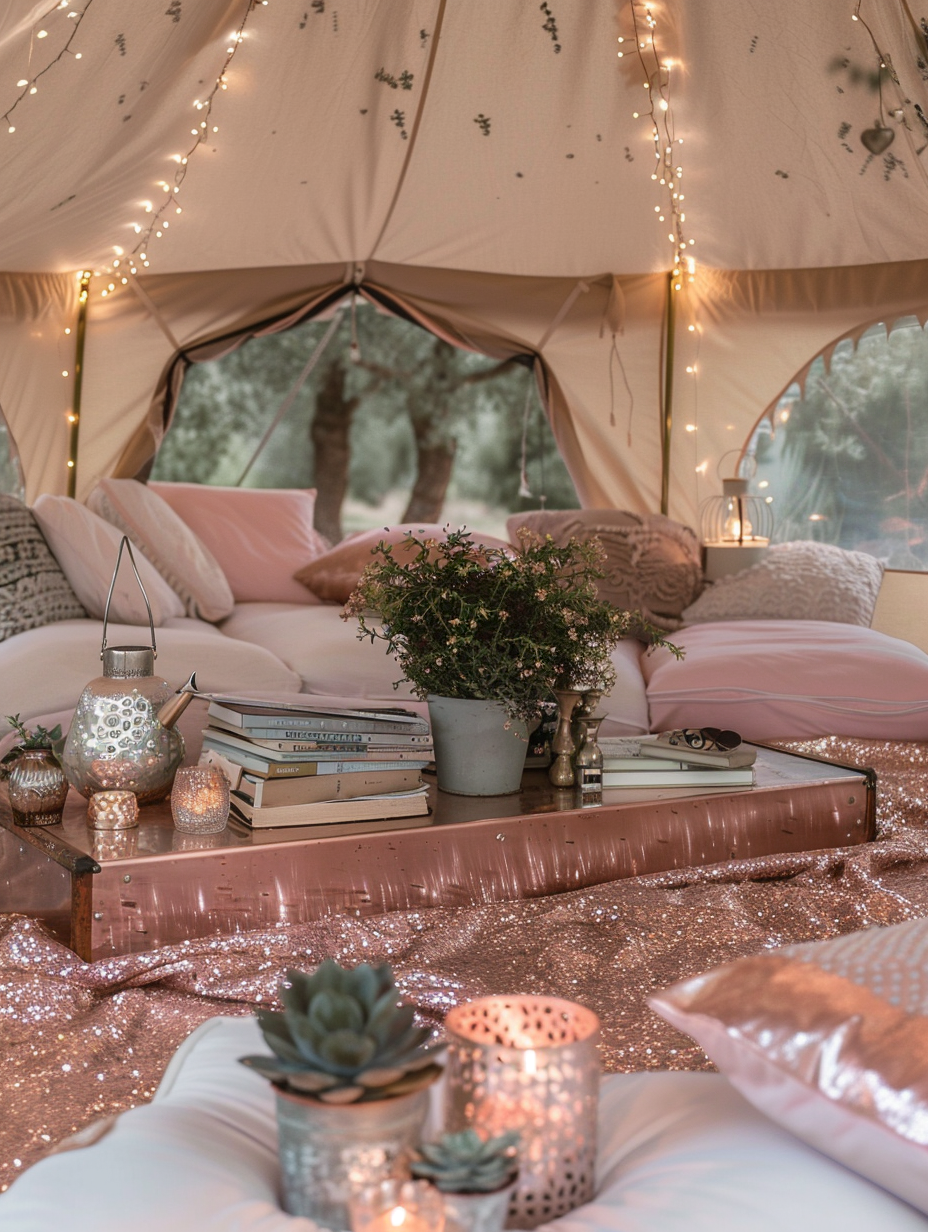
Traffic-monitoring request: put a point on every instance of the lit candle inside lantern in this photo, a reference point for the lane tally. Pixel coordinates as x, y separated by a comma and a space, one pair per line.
113, 810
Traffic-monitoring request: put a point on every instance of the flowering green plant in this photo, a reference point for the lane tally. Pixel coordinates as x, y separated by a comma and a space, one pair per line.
469, 621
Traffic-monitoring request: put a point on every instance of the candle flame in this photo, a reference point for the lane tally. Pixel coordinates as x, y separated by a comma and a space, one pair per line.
398, 1216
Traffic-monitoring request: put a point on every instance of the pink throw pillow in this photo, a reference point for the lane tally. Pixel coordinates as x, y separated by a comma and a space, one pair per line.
334, 576
259, 536
769, 679
829, 1039
87, 548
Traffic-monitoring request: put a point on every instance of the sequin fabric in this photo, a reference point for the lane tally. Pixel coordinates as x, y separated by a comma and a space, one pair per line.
81, 1041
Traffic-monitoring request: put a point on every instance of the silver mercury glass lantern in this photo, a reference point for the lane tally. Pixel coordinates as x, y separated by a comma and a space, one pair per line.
122, 735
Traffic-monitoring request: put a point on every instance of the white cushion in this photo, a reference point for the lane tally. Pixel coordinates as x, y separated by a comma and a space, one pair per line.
86, 547
45, 670
321, 647
677, 1153
330, 659
183, 560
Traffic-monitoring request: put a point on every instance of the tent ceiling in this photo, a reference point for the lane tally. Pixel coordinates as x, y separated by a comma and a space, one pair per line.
308, 164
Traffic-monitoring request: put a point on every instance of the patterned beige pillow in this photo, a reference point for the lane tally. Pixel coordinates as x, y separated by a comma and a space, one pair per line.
796, 581
653, 562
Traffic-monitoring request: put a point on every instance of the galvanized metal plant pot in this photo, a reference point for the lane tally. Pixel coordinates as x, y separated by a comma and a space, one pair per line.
477, 1212
479, 750
327, 1151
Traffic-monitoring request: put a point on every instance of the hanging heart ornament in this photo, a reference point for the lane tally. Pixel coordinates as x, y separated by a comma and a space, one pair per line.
878, 138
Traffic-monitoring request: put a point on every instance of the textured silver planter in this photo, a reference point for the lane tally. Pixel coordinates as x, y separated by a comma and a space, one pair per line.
476, 754
327, 1151
38, 788
477, 1212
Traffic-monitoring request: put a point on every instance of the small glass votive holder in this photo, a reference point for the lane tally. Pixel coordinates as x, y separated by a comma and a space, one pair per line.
396, 1205
200, 800
113, 810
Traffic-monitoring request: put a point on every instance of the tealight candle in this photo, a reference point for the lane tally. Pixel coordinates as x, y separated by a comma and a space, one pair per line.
113, 810
200, 800
398, 1206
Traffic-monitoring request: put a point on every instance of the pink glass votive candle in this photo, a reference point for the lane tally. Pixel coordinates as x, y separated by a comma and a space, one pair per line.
200, 800
113, 810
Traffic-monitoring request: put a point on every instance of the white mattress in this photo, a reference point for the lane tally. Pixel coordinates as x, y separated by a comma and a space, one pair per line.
44, 671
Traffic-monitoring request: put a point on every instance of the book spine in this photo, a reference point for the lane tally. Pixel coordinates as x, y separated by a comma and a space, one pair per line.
323, 723
299, 743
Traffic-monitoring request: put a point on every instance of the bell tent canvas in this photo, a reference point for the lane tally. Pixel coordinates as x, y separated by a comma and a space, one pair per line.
671, 208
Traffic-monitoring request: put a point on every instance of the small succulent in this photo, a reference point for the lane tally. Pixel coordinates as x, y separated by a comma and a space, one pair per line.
344, 1037
467, 1163
39, 738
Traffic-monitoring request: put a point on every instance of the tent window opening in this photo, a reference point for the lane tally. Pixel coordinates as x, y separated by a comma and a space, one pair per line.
845, 461
391, 425
11, 472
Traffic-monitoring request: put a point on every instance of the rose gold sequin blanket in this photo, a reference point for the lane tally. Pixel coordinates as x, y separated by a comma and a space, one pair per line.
84, 1040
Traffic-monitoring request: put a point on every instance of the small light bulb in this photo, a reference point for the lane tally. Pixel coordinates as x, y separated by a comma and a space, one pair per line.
68, 330
34, 90
64, 372
70, 462
11, 129
42, 34
664, 105
22, 82
77, 55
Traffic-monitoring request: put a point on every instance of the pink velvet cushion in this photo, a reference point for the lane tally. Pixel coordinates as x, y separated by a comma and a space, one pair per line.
830, 1039
777, 678
334, 576
259, 536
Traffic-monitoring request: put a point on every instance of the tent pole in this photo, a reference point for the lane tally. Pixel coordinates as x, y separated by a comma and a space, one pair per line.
75, 416
670, 324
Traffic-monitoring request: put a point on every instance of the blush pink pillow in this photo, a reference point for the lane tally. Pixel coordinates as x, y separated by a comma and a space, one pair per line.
790, 678
259, 536
829, 1039
334, 576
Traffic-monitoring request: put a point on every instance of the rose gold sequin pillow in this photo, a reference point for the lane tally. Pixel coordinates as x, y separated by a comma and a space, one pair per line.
830, 1040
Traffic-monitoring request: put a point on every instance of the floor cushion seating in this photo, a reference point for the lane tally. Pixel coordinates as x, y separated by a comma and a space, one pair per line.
790, 678
678, 1152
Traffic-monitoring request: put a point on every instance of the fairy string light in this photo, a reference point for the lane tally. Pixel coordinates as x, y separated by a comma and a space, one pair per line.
668, 167
28, 85
203, 131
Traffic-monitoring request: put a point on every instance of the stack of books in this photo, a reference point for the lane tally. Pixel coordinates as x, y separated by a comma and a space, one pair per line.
647, 761
302, 765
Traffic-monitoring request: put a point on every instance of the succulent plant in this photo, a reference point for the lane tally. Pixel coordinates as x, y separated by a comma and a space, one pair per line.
467, 1163
344, 1037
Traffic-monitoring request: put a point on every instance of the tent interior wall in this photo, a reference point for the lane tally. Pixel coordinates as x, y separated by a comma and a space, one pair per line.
485, 168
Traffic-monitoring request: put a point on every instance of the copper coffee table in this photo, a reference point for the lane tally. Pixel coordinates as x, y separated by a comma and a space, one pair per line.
105, 894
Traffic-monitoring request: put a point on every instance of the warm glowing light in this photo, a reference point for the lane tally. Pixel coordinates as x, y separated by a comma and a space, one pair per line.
691, 427
42, 34
530, 1061
764, 483
23, 82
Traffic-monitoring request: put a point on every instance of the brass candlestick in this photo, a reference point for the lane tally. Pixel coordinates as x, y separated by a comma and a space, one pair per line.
561, 771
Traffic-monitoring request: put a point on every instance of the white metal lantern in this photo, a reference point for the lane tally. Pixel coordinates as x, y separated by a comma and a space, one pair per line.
736, 529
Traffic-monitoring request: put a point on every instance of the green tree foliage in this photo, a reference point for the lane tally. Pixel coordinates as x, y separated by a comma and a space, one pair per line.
413, 392
848, 461
11, 478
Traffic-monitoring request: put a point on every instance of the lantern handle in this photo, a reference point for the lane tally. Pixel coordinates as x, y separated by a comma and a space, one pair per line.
106, 611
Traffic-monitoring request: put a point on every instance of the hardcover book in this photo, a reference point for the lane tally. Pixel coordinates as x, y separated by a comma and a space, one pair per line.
370, 808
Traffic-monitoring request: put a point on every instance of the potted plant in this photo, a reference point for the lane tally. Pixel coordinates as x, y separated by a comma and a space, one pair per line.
37, 784
475, 1175
487, 635
350, 1071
